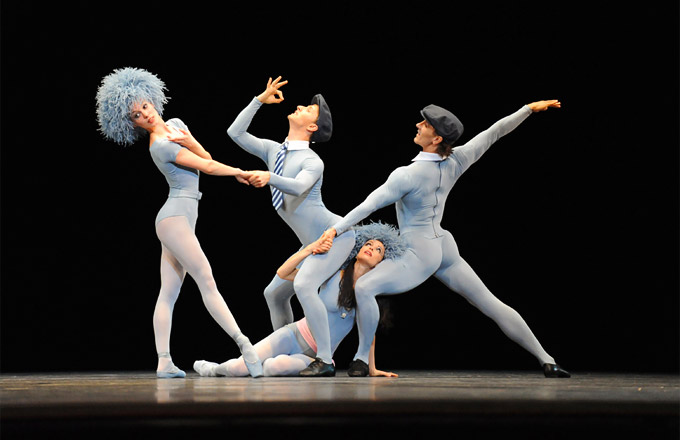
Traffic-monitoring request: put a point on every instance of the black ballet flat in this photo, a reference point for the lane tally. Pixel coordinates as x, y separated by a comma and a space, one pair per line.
357, 368
554, 370
318, 368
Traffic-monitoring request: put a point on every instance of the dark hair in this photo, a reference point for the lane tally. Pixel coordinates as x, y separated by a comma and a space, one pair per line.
348, 300
444, 149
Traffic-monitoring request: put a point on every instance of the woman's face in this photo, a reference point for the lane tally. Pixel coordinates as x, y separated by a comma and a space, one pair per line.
426, 134
144, 115
371, 253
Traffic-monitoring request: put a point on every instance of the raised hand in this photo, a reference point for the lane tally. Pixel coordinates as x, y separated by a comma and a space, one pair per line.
540, 106
272, 94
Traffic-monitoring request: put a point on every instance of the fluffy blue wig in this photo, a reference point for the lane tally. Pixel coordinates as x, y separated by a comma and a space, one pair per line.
116, 95
386, 233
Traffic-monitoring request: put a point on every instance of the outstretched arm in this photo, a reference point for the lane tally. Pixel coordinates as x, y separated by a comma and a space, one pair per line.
288, 270
398, 184
469, 153
188, 159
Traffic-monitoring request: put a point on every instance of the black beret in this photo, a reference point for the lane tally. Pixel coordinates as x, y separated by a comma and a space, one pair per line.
325, 121
445, 123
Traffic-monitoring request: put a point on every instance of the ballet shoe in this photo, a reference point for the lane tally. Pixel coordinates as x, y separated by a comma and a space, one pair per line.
248, 351
171, 373
357, 368
318, 368
554, 370
254, 367
205, 368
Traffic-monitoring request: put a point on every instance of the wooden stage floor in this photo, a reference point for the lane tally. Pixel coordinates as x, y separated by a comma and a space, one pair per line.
468, 404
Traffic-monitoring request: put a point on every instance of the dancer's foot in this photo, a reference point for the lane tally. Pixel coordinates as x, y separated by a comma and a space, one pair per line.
170, 372
318, 368
250, 357
166, 369
357, 368
205, 368
554, 370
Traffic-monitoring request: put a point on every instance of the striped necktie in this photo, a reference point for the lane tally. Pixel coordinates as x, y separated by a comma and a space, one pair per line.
277, 195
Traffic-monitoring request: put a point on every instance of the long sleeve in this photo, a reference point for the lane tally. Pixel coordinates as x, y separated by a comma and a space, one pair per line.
239, 134
469, 153
311, 171
398, 184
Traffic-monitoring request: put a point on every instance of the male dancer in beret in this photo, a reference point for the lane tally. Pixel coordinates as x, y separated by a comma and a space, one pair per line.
295, 175
419, 193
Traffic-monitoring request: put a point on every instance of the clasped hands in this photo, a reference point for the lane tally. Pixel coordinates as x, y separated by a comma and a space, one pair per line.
324, 243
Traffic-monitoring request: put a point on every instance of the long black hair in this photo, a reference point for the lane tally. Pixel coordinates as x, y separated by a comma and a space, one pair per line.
347, 298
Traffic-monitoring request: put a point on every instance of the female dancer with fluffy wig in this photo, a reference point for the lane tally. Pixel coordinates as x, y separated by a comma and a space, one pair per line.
130, 103
292, 348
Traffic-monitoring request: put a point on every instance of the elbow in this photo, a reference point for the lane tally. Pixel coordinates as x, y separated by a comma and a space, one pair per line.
233, 132
285, 276
211, 167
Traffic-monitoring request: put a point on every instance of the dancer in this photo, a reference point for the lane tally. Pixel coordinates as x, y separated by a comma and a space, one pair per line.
419, 193
295, 175
130, 103
292, 348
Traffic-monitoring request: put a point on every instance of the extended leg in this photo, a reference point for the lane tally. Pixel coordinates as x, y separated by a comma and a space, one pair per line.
314, 271
458, 276
280, 343
178, 237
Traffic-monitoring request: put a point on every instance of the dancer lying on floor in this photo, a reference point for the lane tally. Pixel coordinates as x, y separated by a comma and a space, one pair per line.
292, 348
129, 104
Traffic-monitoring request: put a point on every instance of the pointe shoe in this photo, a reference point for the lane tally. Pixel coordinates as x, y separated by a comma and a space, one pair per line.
554, 370
357, 368
318, 368
205, 368
254, 366
171, 373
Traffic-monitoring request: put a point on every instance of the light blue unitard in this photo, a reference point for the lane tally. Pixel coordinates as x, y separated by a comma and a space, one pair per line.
181, 253
304, 212
419, 193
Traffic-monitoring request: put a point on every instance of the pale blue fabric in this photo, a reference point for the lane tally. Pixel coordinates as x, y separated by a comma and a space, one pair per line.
184, 195
419, 193
304, 212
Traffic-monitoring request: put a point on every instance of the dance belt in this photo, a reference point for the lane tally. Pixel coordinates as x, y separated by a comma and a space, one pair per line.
185, 193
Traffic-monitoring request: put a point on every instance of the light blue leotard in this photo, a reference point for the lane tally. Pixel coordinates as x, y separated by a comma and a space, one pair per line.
304, 212
340, 320
419, 192
183, 182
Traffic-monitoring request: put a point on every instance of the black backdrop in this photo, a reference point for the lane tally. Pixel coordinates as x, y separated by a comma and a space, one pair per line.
572, 219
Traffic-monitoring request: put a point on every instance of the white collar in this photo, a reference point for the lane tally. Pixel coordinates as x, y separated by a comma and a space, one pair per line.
297, 145
430, 157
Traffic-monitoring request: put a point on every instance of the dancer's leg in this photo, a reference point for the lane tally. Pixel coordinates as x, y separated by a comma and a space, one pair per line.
172, 275
178, 237
286, 365
314, 271
388, 278
281, 342
278, 294
458, 276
